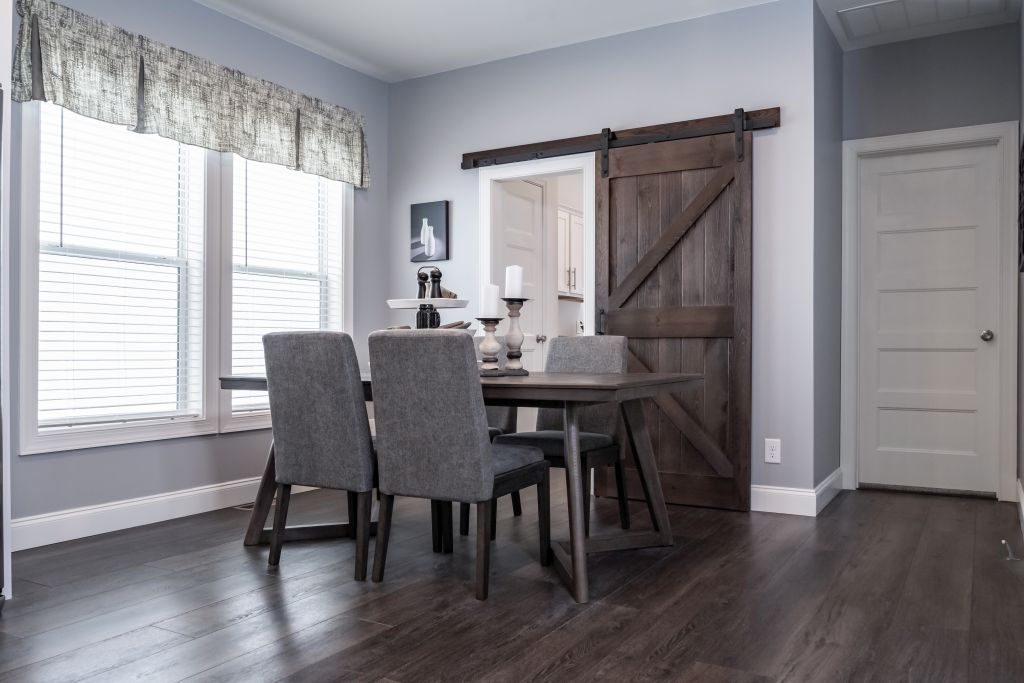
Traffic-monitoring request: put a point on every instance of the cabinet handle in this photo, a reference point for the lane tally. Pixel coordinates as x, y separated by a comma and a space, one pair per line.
568, 280
573, 284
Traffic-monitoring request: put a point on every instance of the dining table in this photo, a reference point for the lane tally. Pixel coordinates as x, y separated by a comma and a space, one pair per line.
566, 391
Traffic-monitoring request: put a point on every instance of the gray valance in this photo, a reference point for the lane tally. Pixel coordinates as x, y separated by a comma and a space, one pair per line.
101, 71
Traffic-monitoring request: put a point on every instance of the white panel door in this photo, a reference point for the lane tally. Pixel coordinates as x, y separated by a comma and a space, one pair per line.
519, 240
929, 381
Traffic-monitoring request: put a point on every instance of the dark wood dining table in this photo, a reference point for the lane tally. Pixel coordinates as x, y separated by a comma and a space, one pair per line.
569, 392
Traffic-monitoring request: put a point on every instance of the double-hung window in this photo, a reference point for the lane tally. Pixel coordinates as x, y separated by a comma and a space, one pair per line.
148, 269
286, 274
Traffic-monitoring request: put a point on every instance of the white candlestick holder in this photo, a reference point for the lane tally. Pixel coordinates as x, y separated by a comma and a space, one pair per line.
489, 349
514, 338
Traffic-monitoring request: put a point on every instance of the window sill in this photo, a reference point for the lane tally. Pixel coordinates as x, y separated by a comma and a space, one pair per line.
245, 422
72, 439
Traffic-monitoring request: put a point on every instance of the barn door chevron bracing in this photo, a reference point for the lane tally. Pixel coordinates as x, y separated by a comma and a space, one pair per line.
674, 275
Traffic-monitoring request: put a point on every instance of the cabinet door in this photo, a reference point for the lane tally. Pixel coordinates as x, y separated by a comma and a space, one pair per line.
564, 269
575, 253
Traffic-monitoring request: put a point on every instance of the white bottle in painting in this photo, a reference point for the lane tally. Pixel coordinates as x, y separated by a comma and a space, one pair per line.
427, 239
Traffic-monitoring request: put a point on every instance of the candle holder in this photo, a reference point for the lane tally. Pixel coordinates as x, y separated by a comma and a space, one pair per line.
489, 348
514, 338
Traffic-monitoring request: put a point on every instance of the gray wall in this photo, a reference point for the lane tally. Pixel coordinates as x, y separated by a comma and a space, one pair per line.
828, 244
956, 79
57, 481
751, 58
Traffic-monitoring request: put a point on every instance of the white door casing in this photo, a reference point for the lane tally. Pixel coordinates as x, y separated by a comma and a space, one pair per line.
929, 264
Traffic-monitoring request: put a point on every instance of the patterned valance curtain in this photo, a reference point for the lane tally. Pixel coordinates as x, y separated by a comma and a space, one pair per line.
99, 70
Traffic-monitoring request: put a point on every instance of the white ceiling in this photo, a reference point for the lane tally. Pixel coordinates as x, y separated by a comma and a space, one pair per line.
399, 39
863, 23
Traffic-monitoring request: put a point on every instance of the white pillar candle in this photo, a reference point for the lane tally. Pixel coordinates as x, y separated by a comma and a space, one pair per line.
489, 304
514, 282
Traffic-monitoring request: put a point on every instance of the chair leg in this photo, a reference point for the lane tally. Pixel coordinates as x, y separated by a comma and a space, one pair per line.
447, 542
435, 524
380, 553
361, 522
483, 547
588, 478
463, 519
494, 518
284, 492
544, 518
517, 504
353, 507
620, 490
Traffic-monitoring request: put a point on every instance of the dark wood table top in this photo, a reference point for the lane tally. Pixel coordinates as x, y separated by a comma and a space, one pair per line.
539, 388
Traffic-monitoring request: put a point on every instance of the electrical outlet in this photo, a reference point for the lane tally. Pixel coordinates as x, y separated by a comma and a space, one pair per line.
773, 451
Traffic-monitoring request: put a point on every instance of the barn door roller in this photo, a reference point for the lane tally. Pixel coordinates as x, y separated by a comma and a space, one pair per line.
738, 124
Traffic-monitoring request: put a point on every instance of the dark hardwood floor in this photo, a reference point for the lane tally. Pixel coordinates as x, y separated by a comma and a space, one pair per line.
881, 587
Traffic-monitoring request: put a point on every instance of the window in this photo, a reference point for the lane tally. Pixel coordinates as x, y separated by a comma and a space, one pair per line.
127, 250
285, 263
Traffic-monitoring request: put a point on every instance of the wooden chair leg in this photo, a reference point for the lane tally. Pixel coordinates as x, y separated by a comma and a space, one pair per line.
544, 518
517, 504
284, 492
620, 490
494, 518
380, 553
447, 541
483, 547
353, 507
361, 522
435, 524
463, 519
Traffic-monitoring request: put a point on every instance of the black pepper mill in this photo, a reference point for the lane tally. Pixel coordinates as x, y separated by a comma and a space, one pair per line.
435, 284
421, 285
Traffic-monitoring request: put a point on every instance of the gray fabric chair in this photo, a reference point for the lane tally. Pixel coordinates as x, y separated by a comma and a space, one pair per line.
500, 420
432, 439
321, 431
598, 424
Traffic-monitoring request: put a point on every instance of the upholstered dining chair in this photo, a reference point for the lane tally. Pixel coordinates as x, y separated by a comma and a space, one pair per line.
598, 424
500, 420
321, 430
432, 438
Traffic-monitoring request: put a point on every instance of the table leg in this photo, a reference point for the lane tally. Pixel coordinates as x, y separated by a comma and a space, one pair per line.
647, 467
264, 499
574, 478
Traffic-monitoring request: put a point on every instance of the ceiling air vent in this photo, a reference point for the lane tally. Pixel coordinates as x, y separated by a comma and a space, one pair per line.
888, 16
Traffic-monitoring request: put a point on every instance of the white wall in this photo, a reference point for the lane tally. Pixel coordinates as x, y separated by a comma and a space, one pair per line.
752, 58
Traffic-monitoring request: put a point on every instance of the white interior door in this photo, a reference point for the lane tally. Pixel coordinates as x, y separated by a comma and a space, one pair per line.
928, 373
519, 239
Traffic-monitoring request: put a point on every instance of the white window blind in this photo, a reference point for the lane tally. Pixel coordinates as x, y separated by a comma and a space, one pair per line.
121, 225
286, 262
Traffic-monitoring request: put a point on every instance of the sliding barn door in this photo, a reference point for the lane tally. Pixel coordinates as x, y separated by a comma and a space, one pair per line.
674, 275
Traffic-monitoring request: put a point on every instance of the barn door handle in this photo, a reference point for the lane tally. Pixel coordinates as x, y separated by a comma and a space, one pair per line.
600, 322
987, 335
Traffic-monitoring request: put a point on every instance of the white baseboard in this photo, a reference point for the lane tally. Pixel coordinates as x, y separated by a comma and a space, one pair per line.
795, 501
67, 525
1020, 505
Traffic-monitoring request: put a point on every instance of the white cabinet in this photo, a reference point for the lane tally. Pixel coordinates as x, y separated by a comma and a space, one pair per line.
570, 252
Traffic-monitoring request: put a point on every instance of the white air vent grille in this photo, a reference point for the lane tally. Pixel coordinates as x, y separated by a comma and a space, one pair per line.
893, 16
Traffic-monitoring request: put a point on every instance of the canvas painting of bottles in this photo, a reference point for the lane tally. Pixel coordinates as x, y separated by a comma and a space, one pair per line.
429, 232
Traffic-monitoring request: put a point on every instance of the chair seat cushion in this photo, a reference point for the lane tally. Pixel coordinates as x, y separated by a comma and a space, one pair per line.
508, 458
552, 442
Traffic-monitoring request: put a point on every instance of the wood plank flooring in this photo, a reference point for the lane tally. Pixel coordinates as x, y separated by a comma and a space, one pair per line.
882, 586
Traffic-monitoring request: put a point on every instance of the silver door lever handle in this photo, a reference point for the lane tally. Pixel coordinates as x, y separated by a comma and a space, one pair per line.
987, 335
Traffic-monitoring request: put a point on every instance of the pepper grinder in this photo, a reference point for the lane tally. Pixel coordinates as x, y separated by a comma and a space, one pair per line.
435, 284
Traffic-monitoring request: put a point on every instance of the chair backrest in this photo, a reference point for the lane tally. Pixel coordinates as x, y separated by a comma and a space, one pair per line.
600, 354
321, 431
502, 417
428, 408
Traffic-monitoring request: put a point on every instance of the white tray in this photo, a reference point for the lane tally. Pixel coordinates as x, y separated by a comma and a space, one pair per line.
438, 303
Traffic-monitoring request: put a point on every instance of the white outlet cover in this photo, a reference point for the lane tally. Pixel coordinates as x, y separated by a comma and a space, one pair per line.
773, 451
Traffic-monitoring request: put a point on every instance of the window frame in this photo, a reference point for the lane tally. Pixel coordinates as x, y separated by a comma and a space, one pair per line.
216, 415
